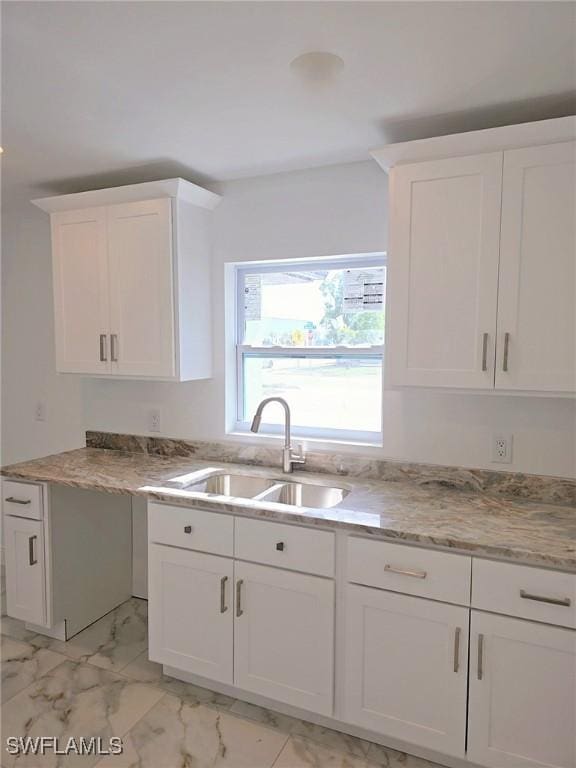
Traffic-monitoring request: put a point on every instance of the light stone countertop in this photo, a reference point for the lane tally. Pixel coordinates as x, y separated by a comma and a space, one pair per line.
477, 523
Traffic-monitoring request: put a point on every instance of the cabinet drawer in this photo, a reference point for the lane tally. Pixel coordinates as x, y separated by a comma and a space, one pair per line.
191, 528
22, 499
287, 546
530, 593
411, 570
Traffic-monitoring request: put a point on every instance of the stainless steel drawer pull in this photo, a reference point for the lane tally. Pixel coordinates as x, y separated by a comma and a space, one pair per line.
480, 669
485, 352
14, 500
404, 572
506, 349
223, 606
565, 601
457, 634
114, 347
239, 610
103, 350
31, 557
187, 529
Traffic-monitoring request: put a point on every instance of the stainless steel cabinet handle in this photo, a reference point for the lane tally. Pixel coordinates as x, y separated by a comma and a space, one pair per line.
505, 355
103, 350
565, 601
480, 668
239, 610
457, 634
31, 558
404, 572
223, 606
485, 352
114, 347
14, 500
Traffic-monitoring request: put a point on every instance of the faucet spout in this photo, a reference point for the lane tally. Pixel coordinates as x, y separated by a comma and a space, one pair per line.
288, 456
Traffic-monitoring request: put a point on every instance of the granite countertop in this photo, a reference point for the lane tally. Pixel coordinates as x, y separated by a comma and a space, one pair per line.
529, 532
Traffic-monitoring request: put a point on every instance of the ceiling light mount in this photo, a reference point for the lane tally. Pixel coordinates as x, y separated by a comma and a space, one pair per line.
317, 67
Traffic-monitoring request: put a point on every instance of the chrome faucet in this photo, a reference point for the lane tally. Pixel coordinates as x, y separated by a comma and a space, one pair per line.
289, 458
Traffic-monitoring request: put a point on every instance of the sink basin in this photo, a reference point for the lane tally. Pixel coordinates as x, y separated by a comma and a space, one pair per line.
281, 491
305, 495
243, 486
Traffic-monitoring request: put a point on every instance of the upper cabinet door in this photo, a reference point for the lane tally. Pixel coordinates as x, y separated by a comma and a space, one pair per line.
537, 296
80, 274
141, 289
443, 271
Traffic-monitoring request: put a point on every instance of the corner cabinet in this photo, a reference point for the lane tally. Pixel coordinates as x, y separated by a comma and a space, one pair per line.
482, 261
131, 278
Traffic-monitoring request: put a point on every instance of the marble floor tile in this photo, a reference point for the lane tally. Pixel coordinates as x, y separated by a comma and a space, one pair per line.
331, 739
382, 757
302, 753
326, 736
23, 664
15, 628
146, 671
281, 722
113, 641
75, 699
175, 734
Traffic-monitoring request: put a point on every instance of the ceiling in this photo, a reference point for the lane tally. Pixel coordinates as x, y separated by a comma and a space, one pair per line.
97, 93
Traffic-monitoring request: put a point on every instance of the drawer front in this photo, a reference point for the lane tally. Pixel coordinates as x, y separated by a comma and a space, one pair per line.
286, 546
410, 570
526, 592
22, 499
191, 528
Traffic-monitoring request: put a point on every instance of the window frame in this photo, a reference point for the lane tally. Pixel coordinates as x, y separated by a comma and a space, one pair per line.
350, 261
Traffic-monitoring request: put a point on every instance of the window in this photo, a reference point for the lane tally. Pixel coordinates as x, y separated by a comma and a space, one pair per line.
313, 333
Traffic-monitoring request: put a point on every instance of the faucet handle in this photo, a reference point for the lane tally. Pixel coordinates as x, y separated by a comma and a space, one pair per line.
298, 457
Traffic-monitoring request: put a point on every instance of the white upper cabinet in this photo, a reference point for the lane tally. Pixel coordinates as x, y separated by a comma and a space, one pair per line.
132, 280
141, 289
537, 297
443, 271
482, 260
81, 299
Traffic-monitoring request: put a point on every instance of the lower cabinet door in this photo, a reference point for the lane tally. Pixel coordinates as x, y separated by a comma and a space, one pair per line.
406, 668
284, 636
25, 569
522, 694
190, 617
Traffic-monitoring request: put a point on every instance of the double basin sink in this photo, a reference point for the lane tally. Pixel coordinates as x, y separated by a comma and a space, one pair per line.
280, 491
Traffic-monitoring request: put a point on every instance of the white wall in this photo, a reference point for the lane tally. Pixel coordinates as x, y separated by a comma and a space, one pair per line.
320, 212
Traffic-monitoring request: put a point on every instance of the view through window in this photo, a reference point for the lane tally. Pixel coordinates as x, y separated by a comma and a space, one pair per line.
313, 334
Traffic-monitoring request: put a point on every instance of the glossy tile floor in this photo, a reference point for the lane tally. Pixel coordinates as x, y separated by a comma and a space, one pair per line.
101, 683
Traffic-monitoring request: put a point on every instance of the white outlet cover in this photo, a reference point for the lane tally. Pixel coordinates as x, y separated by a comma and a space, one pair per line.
501, 448
154, 420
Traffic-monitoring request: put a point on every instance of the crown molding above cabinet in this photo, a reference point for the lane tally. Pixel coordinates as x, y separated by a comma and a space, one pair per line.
131, 279
150, 190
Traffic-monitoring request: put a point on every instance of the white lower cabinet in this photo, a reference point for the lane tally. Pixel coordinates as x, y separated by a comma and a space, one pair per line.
407, 668
190, 611
284, 636
25, 570
522, 694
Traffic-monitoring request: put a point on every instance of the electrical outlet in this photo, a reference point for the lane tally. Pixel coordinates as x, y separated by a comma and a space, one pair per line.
40, 411
502, 448
154, 419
